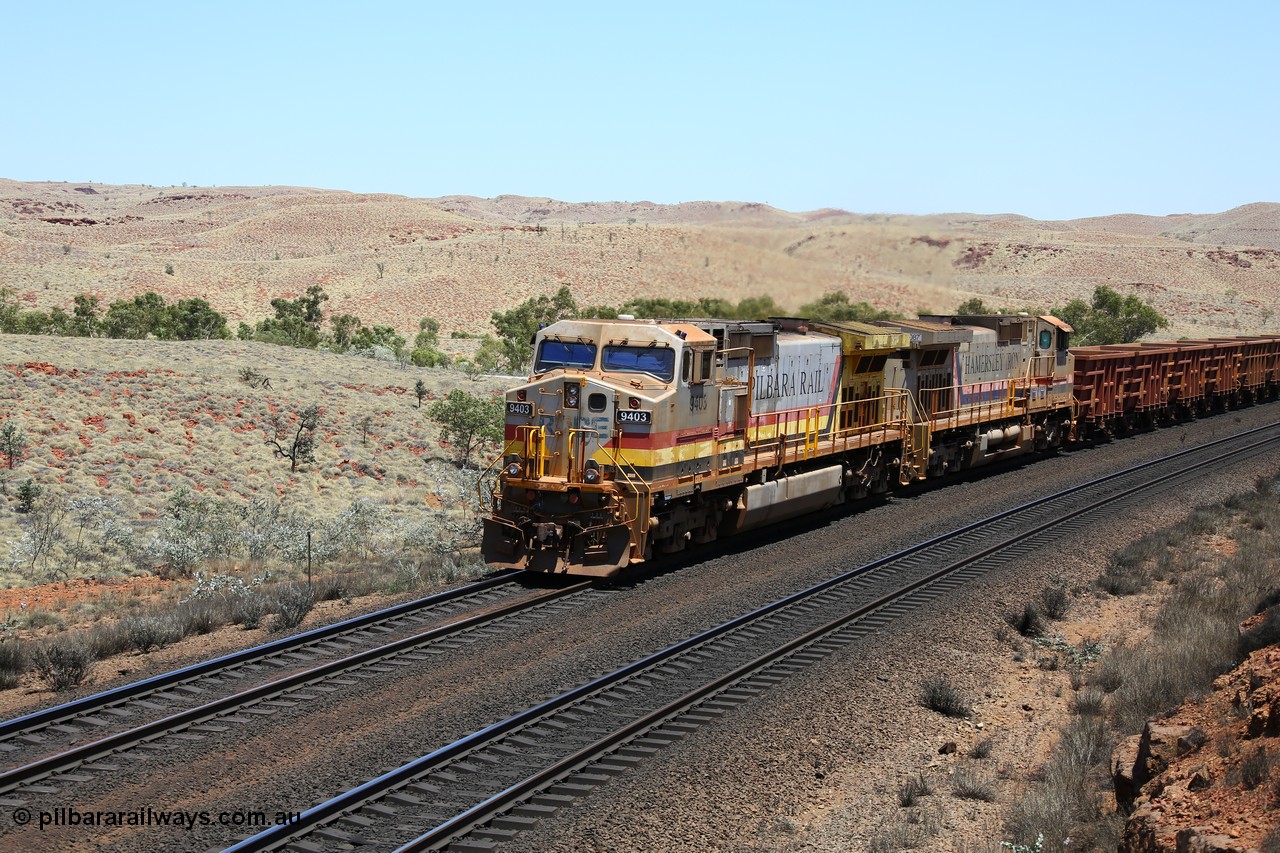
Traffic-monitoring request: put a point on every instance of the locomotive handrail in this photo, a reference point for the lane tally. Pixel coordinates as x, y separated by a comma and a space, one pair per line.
638, 485
480, 483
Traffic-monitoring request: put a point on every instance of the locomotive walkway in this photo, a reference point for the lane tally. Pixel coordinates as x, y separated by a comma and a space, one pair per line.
483, 788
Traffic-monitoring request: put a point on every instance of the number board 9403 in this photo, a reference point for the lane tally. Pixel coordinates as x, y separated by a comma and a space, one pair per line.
632, 416
524, 409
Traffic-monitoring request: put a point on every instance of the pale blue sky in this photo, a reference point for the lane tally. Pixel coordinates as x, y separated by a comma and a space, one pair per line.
1053, 111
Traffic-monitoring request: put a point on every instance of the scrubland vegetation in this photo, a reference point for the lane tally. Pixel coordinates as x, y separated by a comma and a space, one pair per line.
190, 461
1219, 567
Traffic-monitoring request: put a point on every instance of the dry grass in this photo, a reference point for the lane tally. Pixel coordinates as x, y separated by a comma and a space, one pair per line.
460, 259
1194, 638
117, 428
939, 694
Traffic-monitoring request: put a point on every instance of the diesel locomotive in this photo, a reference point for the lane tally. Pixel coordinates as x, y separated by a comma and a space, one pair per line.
635, 438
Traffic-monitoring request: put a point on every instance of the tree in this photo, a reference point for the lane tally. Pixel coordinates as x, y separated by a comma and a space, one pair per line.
85, 323
835, 307
419, 391
974, 306
295, 439
195, 320
486, 360
1110, 318
9, 310
426, 345
344, 329
467, 422
369, 339
135, 319
13, 443
297, 320
28, 494
517, 327
758, 308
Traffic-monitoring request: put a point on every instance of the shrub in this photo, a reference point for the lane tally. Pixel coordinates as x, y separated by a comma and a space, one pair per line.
1255, 769
13, 662
292, 604
1265, 634
107, 640
1055, 601
145, 633
1090, 702
910, 791
249, 608
968, 784
199, 616
938, 694
983, 748
1123, 579
63, 662
1028, 622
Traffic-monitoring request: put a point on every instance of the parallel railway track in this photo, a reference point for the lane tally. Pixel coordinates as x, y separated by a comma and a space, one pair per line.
481, 789
78, 736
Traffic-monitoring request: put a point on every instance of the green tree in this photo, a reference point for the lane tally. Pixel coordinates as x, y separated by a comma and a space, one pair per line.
517, 327
297, 321
295, 439
9, 310
467, 422
85, 322
369, 337
835, 307
135, 319
13, 443
758, 308
1110, 318
486, 360
426, 345
33, 323
419, 391
195, 320
974, 306
28, 494
345, 327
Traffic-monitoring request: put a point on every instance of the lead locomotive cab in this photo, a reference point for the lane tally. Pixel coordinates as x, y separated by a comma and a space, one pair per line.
581, 442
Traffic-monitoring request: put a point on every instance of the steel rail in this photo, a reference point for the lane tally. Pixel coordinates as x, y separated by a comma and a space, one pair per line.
60, 762
327, 812
117, 695
481, 813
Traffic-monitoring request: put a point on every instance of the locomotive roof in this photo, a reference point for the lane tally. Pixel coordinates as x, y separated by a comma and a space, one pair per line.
928, 333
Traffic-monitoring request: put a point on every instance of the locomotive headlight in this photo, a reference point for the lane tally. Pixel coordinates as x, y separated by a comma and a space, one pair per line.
571, 396
591, 475
522, 395
513, 470
634, 402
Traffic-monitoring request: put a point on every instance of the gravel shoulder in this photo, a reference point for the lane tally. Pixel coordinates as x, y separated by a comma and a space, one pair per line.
811, 766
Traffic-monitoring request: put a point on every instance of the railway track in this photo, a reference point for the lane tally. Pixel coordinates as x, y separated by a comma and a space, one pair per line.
69, 742
484, 788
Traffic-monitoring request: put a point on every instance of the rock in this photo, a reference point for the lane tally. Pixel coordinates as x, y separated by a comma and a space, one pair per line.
1199, 839
1200, 780
947, 748
1160, 745
1124, 760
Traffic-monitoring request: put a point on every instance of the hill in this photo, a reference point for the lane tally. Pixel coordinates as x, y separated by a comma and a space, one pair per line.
391, 259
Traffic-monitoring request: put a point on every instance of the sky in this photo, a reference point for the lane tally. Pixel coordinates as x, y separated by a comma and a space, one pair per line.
1053, 111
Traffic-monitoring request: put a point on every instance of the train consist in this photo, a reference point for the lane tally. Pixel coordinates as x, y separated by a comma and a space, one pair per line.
636, 438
